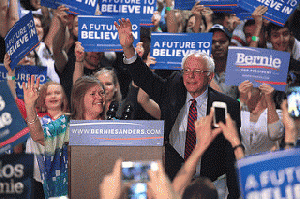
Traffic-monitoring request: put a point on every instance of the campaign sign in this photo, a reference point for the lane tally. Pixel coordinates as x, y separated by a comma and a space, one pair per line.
16, 176
169, 48
83, 7
258, 65
21, 39
12, 125
140, 9
278, 10
116, 132
270, 175
216, 5
99, 34
23, 73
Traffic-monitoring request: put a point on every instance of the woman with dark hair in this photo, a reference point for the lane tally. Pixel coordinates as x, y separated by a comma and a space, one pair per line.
88, 99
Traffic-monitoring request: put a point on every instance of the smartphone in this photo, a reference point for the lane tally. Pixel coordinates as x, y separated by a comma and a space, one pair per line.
293, 101
220, 112
137, 172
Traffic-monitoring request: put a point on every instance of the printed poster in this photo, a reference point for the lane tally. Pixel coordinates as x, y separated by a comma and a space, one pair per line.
258, 65
169, 48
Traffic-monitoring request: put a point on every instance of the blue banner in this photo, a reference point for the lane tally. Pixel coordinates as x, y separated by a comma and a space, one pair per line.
16, 177
258, 65
216, 5
99, 34
270, 175
116, 132
23, 73
12, 126
21, 39
139, 9
278, 10
169, 49
83, 7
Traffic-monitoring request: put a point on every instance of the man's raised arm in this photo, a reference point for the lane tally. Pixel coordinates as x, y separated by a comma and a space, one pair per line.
126, 37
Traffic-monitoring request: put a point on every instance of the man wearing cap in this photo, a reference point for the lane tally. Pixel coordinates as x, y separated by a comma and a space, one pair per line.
220, 42
182, 97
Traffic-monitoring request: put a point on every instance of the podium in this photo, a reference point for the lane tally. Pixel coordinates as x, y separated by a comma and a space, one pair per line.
95, 146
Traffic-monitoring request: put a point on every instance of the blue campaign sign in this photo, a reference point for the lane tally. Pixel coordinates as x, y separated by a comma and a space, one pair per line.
83, 7
278, 10
21, 39
117, 132
99, 34
258, 65
16, 176
169, 48
140, 9
23, 73
270, 175
12, 125
216, 5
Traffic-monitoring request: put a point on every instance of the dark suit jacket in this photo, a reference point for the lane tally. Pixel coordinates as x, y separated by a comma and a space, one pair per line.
170, 94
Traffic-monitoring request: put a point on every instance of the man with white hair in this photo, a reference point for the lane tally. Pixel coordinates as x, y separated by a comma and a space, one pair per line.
184, 97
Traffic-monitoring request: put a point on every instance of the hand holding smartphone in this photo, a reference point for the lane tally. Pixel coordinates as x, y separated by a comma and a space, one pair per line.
220, 109
136, 175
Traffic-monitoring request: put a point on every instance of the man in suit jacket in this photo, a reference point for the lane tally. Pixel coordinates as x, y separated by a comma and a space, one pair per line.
173, 96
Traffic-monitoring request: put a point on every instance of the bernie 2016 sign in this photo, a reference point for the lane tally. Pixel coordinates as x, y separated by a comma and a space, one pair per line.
271, 175
258, 65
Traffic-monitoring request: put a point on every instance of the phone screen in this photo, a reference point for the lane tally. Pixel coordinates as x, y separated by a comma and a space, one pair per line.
137, 172
220, 114
293, 100
137, 191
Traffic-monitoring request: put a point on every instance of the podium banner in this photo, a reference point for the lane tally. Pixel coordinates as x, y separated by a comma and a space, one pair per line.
270, 175
116, 132
257, 65
169, 48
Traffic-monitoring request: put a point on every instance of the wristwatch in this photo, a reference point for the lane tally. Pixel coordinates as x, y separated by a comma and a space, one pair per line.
254, 38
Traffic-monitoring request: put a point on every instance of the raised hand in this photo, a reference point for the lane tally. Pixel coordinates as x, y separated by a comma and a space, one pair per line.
159, 185
31, 91
230, 132
258, 13
204, 132
6, 63
111, 186
61, 13
197, 9
244, 88
125, 32
79, 52
267, 90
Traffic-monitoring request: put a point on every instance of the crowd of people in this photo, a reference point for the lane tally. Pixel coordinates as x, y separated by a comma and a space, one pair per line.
121, 85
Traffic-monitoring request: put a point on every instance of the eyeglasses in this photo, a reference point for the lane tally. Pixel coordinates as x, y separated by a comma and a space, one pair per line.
194, 72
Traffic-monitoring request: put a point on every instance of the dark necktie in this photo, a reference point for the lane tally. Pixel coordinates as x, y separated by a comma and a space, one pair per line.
190, 132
